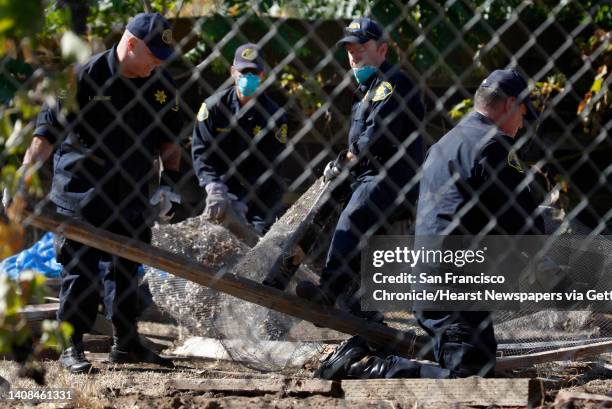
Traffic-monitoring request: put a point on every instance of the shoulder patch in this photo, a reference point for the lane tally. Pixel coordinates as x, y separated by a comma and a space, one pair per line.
514, 161
203, 112
281, 134
383, 91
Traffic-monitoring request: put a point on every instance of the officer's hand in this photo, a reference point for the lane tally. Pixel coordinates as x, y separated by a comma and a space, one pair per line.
7, 194
6, 198
166, 200
218, 199
335, 167
332, 170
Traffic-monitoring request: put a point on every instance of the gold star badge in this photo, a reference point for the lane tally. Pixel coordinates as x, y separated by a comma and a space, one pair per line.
160, 96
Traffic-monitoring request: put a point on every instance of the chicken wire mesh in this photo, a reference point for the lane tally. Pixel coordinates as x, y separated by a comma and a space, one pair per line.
447, 48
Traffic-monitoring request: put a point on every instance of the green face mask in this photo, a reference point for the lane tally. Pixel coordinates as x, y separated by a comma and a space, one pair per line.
248, 84
363, 73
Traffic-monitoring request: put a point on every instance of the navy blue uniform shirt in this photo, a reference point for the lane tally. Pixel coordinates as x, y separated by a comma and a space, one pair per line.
471, 177
104, 154
240, 147
386, 113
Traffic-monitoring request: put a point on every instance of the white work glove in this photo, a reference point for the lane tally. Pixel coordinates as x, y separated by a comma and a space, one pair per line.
332, 170
7, 196
165, 199
335, 167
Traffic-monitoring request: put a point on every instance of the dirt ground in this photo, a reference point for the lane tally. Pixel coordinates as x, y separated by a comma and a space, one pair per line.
141, 386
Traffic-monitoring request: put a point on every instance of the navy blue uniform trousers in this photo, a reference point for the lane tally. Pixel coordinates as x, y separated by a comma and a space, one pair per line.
88, 273
368, 210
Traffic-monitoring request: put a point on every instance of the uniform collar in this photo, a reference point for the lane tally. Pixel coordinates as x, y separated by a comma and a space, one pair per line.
485, 120
112, 60
233, 100
235, 104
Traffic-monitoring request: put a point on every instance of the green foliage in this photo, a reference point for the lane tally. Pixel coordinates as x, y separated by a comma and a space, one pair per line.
460, 109
14, 329
305, 88
20, 18
16, 336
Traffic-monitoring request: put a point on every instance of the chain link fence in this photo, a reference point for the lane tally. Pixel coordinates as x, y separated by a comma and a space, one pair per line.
111, 139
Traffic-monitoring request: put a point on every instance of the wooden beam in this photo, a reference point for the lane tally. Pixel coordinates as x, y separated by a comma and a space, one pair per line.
562, 354
280, 252
468, 391
240, 228
231, 284
39, 312
254, 386
568, 397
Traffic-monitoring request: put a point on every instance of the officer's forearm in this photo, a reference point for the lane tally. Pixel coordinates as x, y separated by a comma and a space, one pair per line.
170, 156
38, 152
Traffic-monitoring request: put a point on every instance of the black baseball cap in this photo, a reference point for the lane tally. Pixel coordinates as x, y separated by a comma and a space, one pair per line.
512, 84
360, 31
248, 56
155, 31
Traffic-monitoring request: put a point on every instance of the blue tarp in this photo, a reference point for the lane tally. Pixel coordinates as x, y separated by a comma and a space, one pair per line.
39, 257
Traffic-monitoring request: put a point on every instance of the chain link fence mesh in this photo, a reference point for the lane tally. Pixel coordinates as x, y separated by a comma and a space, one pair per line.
446, 49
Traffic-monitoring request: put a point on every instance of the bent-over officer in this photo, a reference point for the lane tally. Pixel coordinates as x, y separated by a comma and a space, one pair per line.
475, 159
237, 143
383, 155
127, 117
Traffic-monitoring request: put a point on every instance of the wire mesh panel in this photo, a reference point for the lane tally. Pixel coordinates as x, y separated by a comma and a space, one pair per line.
272, 140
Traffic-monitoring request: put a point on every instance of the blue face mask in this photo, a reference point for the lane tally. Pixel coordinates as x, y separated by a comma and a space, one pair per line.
248, 84
363, 73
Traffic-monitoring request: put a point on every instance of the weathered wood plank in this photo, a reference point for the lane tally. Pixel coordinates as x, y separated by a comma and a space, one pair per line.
562, 354
254, 386
567, 397
281, 251
39, 312
472, 391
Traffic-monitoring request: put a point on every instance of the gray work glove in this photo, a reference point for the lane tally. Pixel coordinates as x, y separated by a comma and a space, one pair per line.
218, 200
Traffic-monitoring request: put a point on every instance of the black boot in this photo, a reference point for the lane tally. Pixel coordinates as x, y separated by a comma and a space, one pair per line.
73, 359
377, 367
336, 365
132, 351
374, 367
312, 292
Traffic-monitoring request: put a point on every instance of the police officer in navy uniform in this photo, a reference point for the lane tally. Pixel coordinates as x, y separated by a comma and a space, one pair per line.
383, 155
126, 117
237, 143
475, 160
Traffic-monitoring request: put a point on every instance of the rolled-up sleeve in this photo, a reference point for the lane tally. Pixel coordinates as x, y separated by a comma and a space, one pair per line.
48, 125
